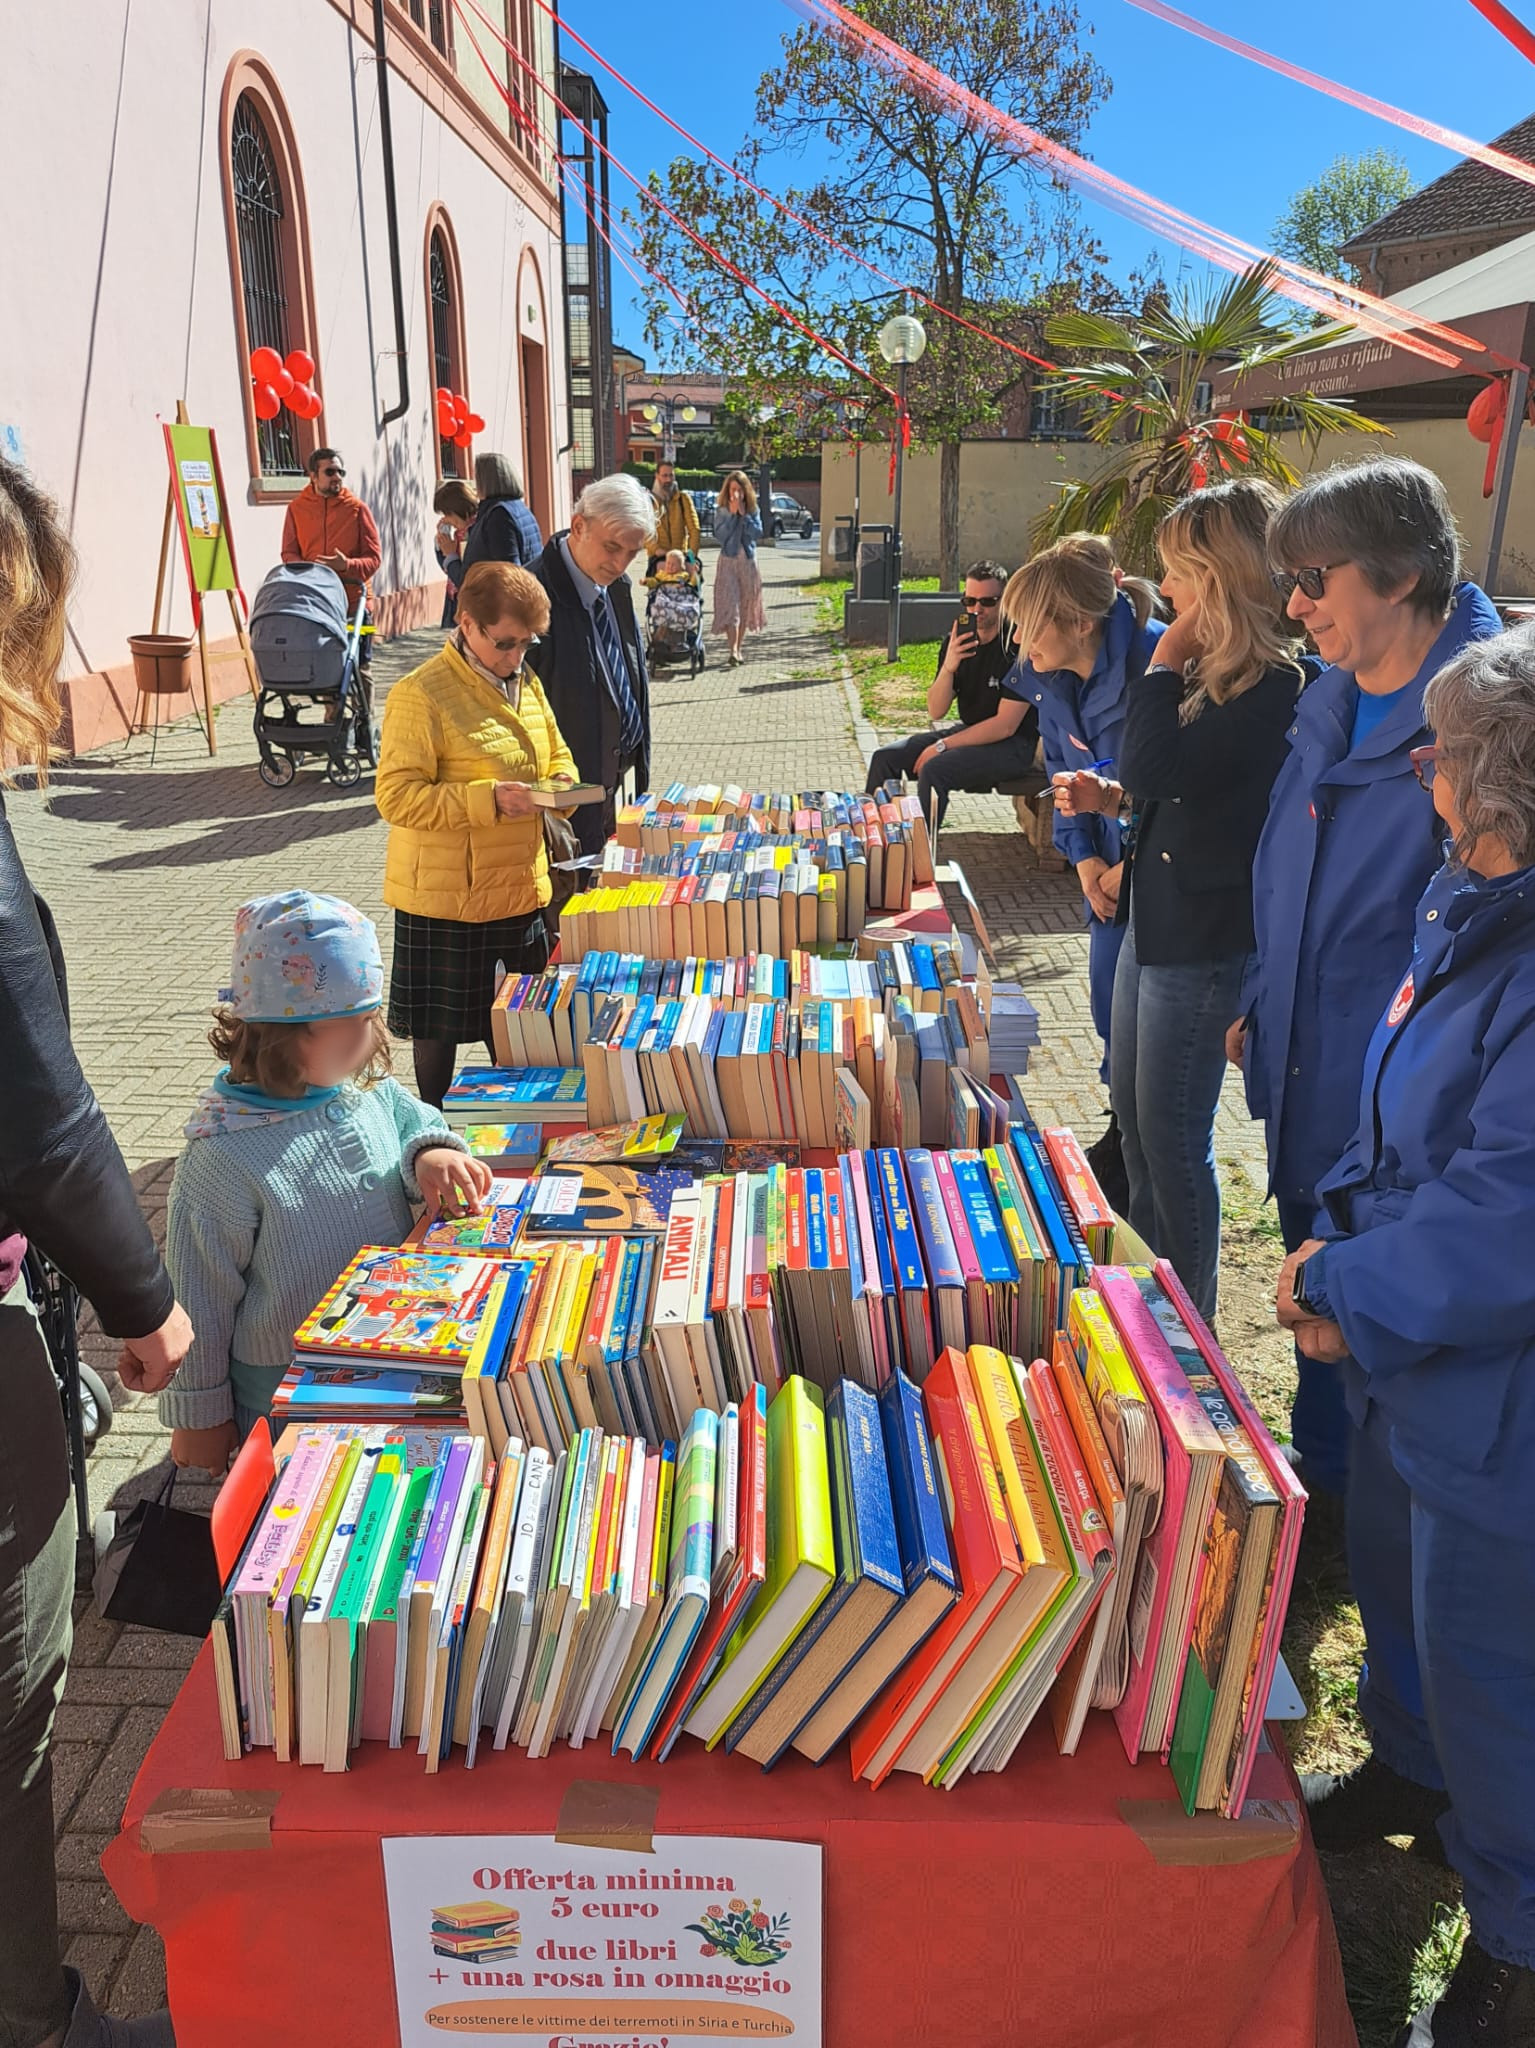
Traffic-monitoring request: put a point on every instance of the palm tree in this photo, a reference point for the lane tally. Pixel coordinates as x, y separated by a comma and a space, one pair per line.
1143, 394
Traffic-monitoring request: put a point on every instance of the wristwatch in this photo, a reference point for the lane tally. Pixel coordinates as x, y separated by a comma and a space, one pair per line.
939, 746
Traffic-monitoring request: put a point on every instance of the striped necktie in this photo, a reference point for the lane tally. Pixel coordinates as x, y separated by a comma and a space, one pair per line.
631, 730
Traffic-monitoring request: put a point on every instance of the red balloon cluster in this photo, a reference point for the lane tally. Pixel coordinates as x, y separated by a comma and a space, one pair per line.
284, 381
455, 422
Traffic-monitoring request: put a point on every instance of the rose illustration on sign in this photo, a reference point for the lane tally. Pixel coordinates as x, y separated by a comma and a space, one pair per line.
745, 1933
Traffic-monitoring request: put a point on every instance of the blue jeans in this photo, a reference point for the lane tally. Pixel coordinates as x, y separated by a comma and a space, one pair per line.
1167, 1057
1448, 1692
1103, 944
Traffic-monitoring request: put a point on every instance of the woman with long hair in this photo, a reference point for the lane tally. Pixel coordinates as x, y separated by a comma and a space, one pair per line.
1204, 737
504, 529
1084, 632
737, 579
65, 1189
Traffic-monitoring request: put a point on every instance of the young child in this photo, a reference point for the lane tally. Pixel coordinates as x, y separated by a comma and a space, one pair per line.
674, 569
302, 1151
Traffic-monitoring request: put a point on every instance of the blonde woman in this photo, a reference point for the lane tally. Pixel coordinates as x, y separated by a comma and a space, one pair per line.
465, 870
1204, 736
737, 579
1084, 633
64, 1188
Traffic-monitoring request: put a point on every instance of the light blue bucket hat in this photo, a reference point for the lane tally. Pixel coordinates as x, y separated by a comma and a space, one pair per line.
300, 958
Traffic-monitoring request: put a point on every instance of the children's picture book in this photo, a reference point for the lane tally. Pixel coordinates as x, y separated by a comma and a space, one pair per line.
600, 1201
646, 1137
506, 1148
516, 1095
434, 1310
490, 1231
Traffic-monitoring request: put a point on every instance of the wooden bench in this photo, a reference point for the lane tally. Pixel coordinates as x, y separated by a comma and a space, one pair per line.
1034, 808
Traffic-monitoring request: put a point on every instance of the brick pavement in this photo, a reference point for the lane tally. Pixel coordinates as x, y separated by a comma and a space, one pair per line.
144, 862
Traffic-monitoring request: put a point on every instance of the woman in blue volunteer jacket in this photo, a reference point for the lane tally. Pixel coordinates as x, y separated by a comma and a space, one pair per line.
1084, 632
1420, 1283
1370, 561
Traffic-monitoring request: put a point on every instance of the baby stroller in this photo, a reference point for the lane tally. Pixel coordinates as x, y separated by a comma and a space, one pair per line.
314, 700
674, 620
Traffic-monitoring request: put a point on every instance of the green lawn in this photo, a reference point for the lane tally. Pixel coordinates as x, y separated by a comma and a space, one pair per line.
892, 695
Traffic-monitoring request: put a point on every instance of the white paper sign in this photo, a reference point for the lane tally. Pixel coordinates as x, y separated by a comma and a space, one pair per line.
707, 1938
197, 472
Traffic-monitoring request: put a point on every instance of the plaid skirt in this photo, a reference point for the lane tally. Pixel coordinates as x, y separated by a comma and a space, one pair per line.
444, 978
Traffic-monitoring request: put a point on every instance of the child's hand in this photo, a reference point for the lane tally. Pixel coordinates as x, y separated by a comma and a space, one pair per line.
210, 1450
452, 1183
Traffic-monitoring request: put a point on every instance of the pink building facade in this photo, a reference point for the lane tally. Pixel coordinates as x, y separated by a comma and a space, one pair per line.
187, 179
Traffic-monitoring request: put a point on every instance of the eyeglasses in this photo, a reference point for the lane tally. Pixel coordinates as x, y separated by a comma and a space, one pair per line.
1312, 581
980, 604
1424, 763
332, 469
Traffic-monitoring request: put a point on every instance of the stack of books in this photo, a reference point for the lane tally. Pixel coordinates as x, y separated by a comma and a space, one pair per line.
1014, 1025
544, 1020
887, 828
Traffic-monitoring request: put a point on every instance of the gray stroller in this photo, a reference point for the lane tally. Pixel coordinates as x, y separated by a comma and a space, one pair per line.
315, 701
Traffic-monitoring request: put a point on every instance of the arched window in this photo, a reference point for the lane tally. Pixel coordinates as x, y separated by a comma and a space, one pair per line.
444, 299
259, 215
269, 259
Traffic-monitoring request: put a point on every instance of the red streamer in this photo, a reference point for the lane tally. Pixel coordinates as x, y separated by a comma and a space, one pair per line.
715, 255
1508, 25
1366, 103
903, 443
1392, 323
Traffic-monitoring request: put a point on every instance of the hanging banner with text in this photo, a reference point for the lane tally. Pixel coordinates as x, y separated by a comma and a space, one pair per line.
706, 1938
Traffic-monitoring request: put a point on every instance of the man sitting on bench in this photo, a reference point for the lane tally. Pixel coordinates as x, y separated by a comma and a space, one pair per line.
995, 740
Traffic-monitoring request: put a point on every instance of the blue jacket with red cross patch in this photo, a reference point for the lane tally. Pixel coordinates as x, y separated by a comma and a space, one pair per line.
1348, 847
1429, 1214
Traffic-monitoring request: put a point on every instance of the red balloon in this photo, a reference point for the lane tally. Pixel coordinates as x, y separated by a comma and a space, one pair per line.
303, 403
447, 426
299, 365
265, 364
460, 409
475, 424
443, 395
284, 381
462, 438
315, 404
267, 403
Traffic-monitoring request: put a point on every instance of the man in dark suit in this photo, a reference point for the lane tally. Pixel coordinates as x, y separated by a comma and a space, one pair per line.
591, 661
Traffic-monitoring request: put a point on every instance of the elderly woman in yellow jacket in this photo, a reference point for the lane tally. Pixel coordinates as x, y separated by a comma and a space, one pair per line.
466, 874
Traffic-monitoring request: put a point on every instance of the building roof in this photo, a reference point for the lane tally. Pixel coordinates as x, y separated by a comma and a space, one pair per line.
1470, 199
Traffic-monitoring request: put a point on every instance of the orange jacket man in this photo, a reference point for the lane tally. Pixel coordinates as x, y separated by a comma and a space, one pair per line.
325, 523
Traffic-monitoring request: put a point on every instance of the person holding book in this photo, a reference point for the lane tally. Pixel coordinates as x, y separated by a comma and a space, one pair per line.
1414, 1283
737, 579
1368, 560
592, 656
1204, 737
1084, 631
997, 735
64, 1190
303, 1151
465, 870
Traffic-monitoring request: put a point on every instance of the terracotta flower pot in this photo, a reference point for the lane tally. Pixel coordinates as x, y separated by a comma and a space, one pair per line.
162, 663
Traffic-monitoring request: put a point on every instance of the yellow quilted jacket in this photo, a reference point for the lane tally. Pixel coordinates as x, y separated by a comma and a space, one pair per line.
449, 738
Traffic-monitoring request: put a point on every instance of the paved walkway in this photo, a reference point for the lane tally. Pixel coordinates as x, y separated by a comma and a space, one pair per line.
144, 862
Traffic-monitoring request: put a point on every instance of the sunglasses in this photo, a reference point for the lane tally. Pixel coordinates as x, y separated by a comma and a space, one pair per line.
980, 604
1312, 581
331, 470
505, 646
1424, 761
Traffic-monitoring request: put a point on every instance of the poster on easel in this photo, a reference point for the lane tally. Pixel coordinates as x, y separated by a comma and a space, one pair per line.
196, 504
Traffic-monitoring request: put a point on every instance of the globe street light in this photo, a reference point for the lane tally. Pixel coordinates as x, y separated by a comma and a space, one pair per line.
667, 412
901, 342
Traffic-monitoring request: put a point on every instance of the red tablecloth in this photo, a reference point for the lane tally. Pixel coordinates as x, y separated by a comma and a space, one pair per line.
1065, 1903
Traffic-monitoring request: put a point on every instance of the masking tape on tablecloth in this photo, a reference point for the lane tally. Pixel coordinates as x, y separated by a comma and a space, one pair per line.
1267, 1827
598, 1815
183, 1819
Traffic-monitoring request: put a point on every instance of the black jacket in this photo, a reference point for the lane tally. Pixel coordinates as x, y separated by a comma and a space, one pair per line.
503, 530
62, 1179
1200, 794
567, 663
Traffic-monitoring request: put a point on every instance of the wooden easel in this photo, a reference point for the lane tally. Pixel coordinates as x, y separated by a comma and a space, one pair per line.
235, 602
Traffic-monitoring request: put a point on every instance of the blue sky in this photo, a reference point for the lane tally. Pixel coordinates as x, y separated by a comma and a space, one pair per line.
1194, 126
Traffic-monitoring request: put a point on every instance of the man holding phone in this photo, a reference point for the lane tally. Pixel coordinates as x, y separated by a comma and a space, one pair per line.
997, 734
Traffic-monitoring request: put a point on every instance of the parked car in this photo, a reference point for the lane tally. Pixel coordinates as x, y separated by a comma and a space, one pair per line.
704, 503
790, 516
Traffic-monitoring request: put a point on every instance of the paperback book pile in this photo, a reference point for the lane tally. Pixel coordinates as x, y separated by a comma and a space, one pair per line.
544, 1020
599, 1294
916, 1566
502, 1096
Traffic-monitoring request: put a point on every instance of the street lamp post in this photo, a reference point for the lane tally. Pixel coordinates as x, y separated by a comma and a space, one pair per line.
854, 413
901, 342
665, 413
